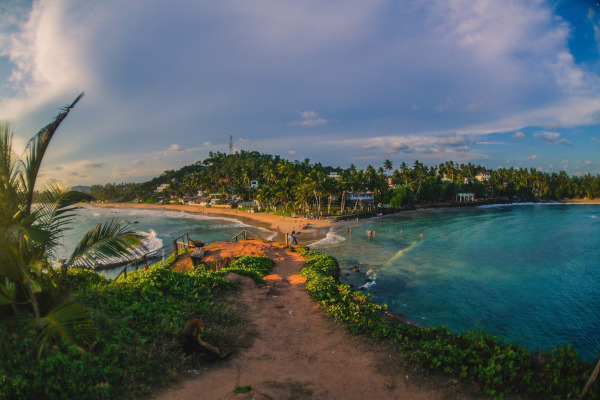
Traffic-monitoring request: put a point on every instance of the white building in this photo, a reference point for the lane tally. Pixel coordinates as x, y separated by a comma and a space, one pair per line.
464, 197
334, 175
483, 177
161, 188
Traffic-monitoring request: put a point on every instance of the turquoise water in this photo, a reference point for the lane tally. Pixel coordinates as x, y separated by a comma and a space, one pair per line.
160, 228
527, 273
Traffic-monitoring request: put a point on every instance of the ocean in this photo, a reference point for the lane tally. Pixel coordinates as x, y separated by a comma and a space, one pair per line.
529, 273
160, 228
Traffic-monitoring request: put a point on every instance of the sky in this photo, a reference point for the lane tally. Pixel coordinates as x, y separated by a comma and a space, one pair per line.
498, 83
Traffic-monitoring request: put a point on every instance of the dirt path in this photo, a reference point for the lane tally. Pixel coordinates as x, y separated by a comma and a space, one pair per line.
299, 353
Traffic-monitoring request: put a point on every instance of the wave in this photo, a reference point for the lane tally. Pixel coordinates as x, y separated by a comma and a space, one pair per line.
401, 252
179, 214
330, 239
151, 241
517, 204
368, 285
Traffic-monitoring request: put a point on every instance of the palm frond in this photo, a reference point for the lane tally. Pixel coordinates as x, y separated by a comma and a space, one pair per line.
37, 146
55, 212
106, 242
9, 177
70, 320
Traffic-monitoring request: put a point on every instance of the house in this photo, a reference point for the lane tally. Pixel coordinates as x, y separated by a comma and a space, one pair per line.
483, 177
161, 188
334, 175
469, 180
361, 197
464, 197
253, 184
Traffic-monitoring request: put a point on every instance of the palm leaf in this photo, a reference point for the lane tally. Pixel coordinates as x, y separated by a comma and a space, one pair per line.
8, 291
104, 243
37, 146
55, 212
70, 320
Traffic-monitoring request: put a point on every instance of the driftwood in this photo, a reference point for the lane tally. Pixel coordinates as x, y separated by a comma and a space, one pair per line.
592, 379
400, 319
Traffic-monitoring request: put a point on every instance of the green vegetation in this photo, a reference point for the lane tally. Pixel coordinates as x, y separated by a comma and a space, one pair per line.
29, 234
500, 368
242, 389
254, 267
301, 187
137, 347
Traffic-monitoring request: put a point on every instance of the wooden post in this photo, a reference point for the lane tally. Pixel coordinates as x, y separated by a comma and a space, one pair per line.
175, 247
187, 235
245, 232
125, 273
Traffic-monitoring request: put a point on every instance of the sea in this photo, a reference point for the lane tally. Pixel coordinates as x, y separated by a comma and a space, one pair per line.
158, 227
529, 273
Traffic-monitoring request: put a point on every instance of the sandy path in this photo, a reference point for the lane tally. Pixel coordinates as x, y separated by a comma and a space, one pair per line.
299, 353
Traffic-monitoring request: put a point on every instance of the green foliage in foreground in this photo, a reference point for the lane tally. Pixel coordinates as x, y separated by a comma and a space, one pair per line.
138, 320
254, 267
500, 368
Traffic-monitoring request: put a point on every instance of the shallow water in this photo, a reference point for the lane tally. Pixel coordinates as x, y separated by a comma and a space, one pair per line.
528, 273
160, 227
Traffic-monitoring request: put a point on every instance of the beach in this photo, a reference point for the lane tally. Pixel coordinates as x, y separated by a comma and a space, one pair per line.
311, 230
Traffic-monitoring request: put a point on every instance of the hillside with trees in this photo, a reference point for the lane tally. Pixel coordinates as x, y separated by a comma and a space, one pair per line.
291, 186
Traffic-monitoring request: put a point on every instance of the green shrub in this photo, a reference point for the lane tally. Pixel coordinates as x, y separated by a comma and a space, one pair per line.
255, 267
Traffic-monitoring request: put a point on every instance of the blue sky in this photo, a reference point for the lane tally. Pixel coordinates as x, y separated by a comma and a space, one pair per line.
510, 83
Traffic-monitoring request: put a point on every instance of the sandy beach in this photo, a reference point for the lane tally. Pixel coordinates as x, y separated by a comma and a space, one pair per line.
311, 230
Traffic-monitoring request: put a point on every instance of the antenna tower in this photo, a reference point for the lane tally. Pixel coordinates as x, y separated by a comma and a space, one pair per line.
230, 144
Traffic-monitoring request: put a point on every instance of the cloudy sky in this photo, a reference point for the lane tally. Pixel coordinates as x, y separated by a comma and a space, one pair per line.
499, 83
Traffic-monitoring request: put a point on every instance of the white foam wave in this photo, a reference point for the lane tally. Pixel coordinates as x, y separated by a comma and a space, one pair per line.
151, 241
132, 212
369, 285
530, 203
401, 252
330, 239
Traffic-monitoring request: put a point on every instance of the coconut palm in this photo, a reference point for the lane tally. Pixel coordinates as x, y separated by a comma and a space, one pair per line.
29, 234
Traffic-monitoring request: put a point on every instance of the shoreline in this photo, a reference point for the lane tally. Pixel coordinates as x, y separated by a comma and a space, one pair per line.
311, 230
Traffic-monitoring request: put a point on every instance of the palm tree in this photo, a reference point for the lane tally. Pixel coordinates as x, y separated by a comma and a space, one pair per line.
29, 234
388, 165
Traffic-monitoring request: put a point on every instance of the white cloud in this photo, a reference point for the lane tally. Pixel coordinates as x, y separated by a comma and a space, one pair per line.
532, 157
292, 152
519, 135
551, 138
176, 147
207, 144
46, 58
310, 118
